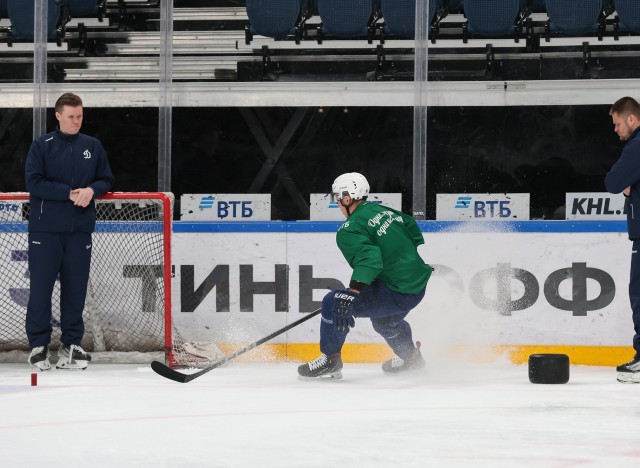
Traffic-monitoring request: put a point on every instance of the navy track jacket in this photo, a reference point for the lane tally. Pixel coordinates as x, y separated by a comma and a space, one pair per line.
626, 173
56, 164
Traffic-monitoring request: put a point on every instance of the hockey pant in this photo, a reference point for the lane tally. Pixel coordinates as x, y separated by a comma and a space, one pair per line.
387, 310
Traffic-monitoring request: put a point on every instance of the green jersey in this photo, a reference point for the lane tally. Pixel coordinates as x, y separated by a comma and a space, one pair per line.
381, 243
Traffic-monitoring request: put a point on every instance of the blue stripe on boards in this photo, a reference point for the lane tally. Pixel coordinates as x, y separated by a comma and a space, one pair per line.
425, 226
332, 226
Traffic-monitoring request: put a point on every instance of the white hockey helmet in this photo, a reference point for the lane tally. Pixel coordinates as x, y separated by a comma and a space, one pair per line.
351, 183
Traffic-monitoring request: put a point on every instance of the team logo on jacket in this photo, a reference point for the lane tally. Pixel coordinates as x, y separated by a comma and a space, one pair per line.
87, 154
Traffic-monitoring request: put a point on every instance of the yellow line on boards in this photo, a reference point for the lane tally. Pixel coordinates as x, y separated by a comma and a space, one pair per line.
374, 352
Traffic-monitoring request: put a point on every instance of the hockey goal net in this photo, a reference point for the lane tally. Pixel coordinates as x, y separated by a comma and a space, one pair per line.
127, 313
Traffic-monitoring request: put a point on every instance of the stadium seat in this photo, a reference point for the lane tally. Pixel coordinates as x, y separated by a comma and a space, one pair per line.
400, 16
628, 12
538, 6
85, 8
455, 6
277, 19
574, 17
21, 15
493, 18
346, 19
4, 13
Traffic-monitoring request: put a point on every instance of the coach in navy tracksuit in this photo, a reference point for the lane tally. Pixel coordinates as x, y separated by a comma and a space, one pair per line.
624, 177
65, 171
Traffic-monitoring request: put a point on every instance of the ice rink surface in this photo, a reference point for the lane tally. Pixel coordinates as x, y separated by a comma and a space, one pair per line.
260, 415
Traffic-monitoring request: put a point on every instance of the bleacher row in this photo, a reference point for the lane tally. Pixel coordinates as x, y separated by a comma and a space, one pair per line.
20, 16
252, 40
375, 20
321, 20
68, 22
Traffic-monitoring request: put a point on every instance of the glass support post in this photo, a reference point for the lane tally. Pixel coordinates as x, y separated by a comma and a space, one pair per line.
40, 35
420, 110
165, 96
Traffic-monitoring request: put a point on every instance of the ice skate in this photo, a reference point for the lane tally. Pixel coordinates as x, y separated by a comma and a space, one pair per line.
629, 372
72, 357
398, 365
39, 358
323, 367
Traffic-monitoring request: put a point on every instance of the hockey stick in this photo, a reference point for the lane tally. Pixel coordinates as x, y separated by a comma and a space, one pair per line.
169, 373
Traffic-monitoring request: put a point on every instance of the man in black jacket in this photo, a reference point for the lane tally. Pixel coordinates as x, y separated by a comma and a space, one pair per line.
624, 176
64, 172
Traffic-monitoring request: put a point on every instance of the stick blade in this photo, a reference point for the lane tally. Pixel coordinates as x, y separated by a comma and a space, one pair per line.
169, 373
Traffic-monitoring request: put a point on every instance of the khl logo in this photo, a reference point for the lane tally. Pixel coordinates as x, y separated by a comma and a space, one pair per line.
87, 154
598, 206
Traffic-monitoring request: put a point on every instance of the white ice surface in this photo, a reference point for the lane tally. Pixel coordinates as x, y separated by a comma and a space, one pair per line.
260, 415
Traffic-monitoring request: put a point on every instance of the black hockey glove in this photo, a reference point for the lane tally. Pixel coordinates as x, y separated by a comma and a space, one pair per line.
344, 303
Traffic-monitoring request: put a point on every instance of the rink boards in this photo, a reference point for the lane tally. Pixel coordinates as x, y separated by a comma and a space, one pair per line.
498, 288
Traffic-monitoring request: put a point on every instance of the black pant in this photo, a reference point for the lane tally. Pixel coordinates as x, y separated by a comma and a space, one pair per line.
53, 256
634, 294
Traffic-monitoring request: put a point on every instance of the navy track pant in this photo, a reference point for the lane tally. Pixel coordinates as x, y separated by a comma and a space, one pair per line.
634, 294
387, 310
67, 255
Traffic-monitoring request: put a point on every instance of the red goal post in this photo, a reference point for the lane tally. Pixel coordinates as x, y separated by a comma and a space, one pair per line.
128, 313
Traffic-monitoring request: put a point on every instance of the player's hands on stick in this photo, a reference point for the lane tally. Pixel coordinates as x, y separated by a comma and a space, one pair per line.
344, 304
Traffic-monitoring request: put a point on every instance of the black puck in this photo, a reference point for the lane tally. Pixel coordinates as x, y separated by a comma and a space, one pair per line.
548, 368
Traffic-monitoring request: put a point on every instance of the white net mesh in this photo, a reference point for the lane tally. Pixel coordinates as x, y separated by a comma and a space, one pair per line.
127, 312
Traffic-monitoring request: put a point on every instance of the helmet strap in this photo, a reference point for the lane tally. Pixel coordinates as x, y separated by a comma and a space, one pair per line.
347, 207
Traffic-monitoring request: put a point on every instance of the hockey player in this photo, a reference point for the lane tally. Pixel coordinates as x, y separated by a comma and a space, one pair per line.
388, 280
65, 171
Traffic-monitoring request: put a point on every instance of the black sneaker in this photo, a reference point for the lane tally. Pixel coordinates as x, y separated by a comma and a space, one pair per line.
39, 358
72, 357
629, 372
398, 365
324, 367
